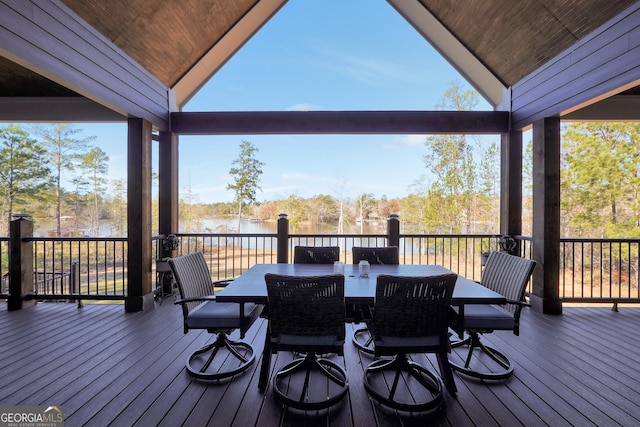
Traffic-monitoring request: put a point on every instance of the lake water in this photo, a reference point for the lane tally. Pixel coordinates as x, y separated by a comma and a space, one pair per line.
217, 225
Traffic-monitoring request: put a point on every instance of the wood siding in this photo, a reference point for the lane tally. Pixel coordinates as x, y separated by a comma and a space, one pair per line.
601, 64
48, 38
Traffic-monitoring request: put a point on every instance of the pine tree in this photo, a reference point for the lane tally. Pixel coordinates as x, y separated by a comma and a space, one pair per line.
245, 172
23, 168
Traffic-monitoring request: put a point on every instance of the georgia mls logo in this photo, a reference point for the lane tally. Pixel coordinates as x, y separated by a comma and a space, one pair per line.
55, 411
31, 416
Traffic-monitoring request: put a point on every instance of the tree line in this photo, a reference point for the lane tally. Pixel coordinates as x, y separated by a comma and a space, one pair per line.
457, 194
50, 172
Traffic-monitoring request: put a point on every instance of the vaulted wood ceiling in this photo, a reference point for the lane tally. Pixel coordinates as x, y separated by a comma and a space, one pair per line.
513, 38
493, 43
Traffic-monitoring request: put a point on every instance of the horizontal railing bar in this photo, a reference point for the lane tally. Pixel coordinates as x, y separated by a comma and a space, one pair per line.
29, 297
601, 300
74, 239
598, 240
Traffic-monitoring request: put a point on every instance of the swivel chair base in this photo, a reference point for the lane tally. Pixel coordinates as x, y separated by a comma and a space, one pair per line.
241, 351
387, 396
363, 340
504, 370
284, 389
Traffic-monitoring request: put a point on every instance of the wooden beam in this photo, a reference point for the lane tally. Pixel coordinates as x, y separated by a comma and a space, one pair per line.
339, 122
48, 38
56, 109
600, 64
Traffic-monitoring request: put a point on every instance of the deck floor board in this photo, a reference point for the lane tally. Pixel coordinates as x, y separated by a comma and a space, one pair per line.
108, 367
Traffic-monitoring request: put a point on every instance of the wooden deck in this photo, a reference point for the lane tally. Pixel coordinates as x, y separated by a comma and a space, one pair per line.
108, 367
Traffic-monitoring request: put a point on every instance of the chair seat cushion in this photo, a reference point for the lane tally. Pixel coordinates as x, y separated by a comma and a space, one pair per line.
223, 315
409, 342
307, 340
487, 317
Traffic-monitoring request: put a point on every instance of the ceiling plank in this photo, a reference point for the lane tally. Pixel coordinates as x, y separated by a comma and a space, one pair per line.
339, 122
55, 109
613, 109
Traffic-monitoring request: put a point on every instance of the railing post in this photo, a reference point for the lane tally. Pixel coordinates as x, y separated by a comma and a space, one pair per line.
393, 230
283, 239
74, 278
20, 263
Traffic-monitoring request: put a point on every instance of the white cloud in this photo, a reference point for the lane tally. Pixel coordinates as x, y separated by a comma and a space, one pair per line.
411, 139
285, 189
298, 176
304, 107
367, 69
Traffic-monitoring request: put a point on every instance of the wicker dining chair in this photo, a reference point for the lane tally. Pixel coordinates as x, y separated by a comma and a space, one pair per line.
389, 255
508, 275
307, 315
316, 254
411, 315
384, 255
201, 311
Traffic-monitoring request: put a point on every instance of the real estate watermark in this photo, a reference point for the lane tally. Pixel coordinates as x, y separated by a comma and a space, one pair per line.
31, 416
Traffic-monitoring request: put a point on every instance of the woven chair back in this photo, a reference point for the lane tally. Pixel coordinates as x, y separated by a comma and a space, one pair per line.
316, 254
192, 276
508, 275
413, 306
387, 255
306, 305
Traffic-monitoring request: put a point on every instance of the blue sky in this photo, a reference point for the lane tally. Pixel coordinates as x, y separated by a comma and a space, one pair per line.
313, 55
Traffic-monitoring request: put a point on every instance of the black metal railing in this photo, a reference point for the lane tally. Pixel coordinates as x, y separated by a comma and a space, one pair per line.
591, 270
4, 267
229, 255
599, 270
90, 268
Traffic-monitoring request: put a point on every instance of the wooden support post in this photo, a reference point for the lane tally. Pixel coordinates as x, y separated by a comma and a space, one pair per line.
168, 193
283, 239
139, 260
393, 230
511, 185
20, 264
546, 216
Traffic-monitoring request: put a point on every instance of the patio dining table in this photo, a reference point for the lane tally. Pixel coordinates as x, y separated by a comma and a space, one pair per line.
251, 287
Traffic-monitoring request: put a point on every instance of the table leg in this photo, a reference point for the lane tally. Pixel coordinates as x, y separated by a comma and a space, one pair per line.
266, 363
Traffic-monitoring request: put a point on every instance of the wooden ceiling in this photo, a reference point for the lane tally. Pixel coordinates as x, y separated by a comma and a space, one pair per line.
513, 38
167, 37
171, 37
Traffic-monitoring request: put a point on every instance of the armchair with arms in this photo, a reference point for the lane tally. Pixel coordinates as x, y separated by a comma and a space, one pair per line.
508, 275
201, 311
